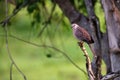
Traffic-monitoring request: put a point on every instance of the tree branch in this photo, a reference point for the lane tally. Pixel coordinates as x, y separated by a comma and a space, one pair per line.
7, 47
6, 20
10, 56
48, 21
105, 51
111, 76
52, 47
88, 61
94, 23
11, 71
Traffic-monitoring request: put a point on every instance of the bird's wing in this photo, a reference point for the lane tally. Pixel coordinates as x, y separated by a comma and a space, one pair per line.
83, 34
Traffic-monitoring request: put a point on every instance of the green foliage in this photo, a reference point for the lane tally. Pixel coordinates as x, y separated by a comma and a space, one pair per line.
43, 12
19, 2
37, 63
2, 10
32, 7
34, 61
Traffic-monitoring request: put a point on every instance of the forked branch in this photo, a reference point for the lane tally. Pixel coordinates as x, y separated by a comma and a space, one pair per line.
7, 46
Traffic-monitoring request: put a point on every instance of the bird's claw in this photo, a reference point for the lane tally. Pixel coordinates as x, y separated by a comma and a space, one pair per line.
80, 43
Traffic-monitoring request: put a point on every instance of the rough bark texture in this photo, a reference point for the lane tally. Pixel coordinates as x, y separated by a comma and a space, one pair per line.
105, 52
96, 47
112, 15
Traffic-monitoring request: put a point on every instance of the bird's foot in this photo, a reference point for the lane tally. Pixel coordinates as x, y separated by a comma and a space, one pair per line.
80, 43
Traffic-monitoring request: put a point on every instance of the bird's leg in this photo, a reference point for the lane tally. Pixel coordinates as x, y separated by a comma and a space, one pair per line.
80, 44
88, 61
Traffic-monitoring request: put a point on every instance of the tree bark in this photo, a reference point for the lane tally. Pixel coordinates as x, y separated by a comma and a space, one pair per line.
112, 15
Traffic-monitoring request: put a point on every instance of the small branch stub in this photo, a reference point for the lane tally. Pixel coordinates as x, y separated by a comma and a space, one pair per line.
111, 76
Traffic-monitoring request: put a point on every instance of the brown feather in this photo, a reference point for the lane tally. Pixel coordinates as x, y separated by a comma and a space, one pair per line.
81, 34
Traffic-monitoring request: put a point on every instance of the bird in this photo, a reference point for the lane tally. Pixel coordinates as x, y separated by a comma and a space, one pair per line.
81, 34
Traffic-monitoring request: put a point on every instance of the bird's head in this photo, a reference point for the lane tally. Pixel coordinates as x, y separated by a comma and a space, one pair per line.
74, 25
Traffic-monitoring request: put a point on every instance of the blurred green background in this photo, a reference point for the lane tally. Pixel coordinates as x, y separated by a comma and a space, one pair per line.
40, 63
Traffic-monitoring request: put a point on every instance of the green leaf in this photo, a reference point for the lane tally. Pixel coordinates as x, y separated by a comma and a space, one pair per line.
31, 8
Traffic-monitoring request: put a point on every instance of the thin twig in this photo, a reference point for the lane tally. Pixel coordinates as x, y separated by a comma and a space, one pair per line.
48, 46
7, 46
11, 71
8, 18
47, 22
88, 61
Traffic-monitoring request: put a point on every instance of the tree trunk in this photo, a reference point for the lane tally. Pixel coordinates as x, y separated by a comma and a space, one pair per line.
112, 15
